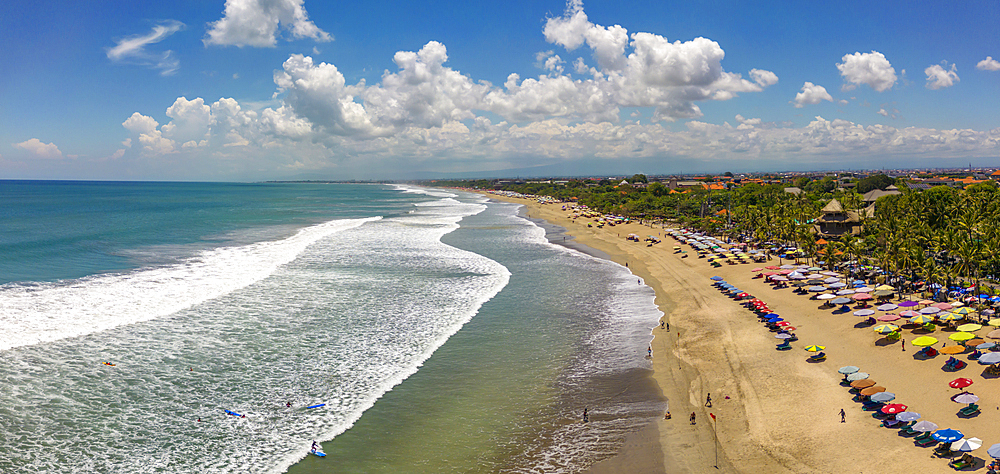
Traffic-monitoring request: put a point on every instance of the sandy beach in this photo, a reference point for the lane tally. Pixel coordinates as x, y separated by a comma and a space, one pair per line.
775, 412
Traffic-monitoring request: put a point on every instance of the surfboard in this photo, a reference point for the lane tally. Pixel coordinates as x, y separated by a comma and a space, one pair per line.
317, 406
233, 413
319, 453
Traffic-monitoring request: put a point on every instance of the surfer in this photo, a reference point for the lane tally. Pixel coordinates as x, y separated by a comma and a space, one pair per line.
288, 405
314, 446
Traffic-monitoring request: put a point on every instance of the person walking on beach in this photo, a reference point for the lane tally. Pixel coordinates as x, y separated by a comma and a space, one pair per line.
649, 351
708, 400
692, 418
903, 341
585, 419
843, 416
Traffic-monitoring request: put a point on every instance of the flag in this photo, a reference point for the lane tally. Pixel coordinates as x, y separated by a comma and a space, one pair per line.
712, 415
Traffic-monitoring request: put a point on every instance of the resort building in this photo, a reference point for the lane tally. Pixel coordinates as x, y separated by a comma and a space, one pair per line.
836, 221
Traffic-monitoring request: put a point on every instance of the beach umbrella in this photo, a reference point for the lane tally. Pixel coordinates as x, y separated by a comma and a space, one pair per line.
925, 426
717, 278
888, 317
815, 282
826, 296
862, 383
882, 293
884, 287
837, 285
963, 310
783, 336
872, 390
924, 341
971, 327
909, 313
861, 296
886, 328
995, 334
950, 317
994, 451
942, 306
757, 270
775, 320
960, 382
966, 445
831, 280
990, 358
893, 408
908, 304
814, 269
886, 307
948, 435
848, 369
840, 300
986, 345
921, 319
845, 292
965, 398
781, 323
864, 312
930, 310
995, 322
925, 302
779, 278
961, 336
817, 289
952, 350
773, 267
815, 348
787, 267
908, 416
864, 289
883, 397
857, 376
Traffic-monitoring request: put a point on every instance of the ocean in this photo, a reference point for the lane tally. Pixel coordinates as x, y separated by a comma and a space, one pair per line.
441, 332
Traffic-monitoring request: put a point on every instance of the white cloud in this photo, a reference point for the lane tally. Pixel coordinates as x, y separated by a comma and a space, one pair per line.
763, 78
256, 23
811, 94
843, 102
573, 29
145, 130
132, 50
882, 112
939, 77
872, 69
988, 64
190, 120
39, 149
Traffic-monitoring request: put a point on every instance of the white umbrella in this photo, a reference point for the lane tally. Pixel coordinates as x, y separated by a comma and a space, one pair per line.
966, 445
966, 398
826, 296
845, 292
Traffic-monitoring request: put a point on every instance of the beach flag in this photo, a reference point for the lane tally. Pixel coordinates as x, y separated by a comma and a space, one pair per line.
712, 415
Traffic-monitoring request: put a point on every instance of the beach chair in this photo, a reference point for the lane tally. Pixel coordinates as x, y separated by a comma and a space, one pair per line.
928, 352
783, 346
975, 355
793, 338
929, 327
817, 357
970, 410
924, 436
962, 462
872, 406
944, 450
908, 429
925, 442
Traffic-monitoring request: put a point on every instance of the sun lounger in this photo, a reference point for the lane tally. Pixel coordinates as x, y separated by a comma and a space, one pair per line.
943, 451
783, 347
961, 463
818, 357
925, 442
872, 406
970, 410
928, 352
924, 436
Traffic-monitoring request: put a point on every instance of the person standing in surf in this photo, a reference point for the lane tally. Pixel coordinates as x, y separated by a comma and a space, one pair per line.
314, 446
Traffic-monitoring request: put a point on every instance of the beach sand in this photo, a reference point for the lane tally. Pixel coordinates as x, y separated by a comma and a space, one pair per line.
775, 411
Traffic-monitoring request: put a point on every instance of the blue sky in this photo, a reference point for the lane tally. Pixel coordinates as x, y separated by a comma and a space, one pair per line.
293, 89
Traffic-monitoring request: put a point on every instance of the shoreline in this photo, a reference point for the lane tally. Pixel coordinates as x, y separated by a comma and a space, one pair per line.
775, 411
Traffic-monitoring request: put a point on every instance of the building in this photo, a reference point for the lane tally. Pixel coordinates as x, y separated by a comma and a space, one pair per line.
836, 221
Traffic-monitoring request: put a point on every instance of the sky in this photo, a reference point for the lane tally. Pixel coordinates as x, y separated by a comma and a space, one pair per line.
250, 90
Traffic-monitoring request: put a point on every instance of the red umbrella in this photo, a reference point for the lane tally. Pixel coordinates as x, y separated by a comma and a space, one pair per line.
960, 383
861, 296
782, 323
773, 267
894, 408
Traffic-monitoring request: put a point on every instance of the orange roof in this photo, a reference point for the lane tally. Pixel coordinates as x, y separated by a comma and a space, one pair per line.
722, 212
821, 242
996, 173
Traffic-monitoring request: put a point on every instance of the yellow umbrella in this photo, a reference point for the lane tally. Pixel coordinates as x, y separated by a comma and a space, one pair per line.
922, 319
962, 336
886, 328
971, 327
924, 341
815, 348
995, 322
964, 310
884, 287
950, 317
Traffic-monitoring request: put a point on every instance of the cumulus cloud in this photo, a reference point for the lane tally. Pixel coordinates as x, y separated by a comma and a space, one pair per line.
257, 22
988, 64
39, 149
574, 29
938, 77
871, 68
145, 130
763, 78
811, 94
132, 50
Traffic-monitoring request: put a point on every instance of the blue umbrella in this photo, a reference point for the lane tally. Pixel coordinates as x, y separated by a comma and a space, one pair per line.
948, 435
817, 289
908, 416
994, 451
775, 320
717, 278
841, 301
989, 358
986, 345
849, 369
883, 397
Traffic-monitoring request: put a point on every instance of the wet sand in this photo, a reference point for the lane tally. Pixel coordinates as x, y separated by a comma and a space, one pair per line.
775, 411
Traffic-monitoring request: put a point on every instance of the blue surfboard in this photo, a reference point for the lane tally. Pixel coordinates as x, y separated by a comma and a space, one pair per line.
319, 453
233, 413
317, 406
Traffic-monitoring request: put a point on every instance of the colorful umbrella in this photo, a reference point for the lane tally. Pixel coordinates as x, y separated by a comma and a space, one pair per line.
994, 451
861, 296
960, 383
963, 311
995, 334
921, 319
961, 336
783, 336
986, 345
845, 292
909, 313
886, 328
717, 278
942, 306
815, 348
893, 408
971, 327
950, 317
884, 288
924, 341
995, 322
908, 304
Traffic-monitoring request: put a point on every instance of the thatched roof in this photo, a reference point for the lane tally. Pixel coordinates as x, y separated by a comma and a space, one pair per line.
833, 207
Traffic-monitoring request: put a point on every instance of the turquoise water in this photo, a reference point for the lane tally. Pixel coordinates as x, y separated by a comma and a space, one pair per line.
443, 333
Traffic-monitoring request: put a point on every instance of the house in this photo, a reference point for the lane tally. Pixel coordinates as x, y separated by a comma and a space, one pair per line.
871, 196
793, 190
836, 221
